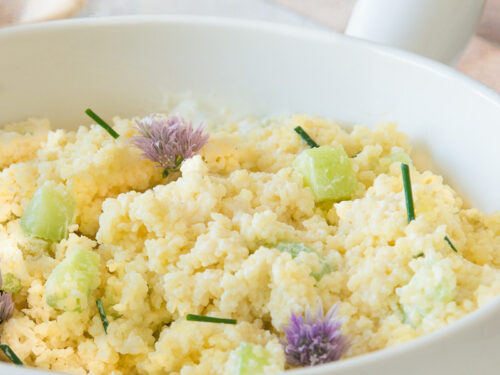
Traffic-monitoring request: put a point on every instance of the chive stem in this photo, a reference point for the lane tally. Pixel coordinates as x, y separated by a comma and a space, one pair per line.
451, 245
101, 123
102, 313
405, 171
178, 161
305, 137
419, 255
209, 319
11, 355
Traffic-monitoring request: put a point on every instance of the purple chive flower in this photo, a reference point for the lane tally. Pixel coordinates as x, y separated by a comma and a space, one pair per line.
168, 141
313, 341
6, 303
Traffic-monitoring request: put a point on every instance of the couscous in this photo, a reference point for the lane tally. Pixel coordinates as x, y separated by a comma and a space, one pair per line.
255, 229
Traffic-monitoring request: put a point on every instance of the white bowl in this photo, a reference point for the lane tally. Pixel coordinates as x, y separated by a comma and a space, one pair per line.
127, 66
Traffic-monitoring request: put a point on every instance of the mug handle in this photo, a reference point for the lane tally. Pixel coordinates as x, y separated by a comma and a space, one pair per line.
438, 29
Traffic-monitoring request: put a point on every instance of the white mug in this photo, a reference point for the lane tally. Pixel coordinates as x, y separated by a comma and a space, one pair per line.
438, 29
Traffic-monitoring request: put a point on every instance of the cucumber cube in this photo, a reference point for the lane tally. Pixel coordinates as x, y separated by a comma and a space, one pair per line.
251, 359
73, 280
325, 269
433, 284
11, 284
395, 156
328, 172
295, 248
399, 156
49, 213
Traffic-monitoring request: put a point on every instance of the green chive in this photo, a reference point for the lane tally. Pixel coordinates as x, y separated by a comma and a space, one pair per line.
408, 194
102, 313
209, 319
11, 355
101, 123
305, 137
419, 255
175, 168
451, 245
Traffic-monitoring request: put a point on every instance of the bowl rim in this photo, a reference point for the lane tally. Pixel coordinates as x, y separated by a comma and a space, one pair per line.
324, 36
295, 31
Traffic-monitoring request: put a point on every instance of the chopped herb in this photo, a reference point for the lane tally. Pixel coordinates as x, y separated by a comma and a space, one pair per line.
315, 340
418, 255
178, 161
405, 171
6, 303
305, 137
101, 123
11, 355
168, 141
209, 319
451, 245
102, 313
6, 306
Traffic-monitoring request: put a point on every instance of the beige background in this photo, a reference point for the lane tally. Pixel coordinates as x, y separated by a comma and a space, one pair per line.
481, 60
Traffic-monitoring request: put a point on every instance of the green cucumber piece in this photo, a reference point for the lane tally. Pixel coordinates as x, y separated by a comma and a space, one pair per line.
70, 284
328, 172
49, 213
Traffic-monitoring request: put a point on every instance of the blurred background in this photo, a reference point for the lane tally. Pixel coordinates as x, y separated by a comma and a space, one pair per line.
481, 59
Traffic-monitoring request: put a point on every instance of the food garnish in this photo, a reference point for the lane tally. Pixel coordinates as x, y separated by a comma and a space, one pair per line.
6, 306
451, 244
11, 355
419, 255
103, 124
405, 171
6, 310
102, 314
300, 131
168, 141
312, 341
6, 303
209, 319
